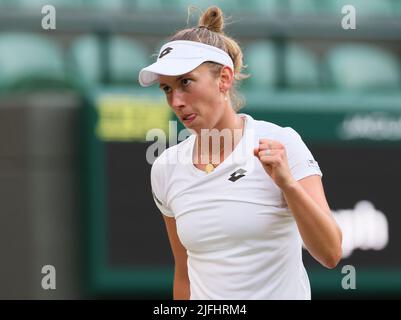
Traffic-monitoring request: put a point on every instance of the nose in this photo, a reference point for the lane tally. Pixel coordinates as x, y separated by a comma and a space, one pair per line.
177, 99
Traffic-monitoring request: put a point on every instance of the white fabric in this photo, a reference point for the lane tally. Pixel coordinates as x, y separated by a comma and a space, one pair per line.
180, 57
241, 239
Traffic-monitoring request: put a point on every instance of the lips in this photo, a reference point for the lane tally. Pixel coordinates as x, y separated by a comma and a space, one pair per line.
188, 117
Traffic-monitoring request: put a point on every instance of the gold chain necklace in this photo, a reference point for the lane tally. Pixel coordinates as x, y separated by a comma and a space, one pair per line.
210, 166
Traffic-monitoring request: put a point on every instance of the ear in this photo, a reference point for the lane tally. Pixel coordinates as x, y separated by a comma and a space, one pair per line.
226, 79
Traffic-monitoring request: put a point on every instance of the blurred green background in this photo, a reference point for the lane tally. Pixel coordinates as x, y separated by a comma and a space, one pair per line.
74, 178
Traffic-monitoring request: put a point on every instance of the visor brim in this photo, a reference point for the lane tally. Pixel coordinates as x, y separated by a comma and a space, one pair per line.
167, 67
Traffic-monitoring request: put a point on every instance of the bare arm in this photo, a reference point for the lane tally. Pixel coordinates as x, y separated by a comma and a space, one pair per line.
319, 231
307, 202
181, 281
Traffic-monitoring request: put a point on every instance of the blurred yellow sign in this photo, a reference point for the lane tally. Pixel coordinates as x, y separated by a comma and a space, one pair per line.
124, 117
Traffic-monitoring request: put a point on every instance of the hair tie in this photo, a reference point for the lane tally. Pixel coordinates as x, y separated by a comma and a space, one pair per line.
203, 27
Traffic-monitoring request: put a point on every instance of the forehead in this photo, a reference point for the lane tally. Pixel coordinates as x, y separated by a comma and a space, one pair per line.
199, 71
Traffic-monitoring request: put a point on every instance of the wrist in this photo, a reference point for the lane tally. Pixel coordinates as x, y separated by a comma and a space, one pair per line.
289, 185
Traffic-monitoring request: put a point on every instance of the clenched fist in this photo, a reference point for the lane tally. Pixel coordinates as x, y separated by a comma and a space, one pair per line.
273, 157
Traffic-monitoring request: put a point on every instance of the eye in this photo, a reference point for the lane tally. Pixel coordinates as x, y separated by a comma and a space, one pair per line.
166, 89
186, 82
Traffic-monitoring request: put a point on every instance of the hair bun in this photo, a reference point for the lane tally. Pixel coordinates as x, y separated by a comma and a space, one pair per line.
212, 19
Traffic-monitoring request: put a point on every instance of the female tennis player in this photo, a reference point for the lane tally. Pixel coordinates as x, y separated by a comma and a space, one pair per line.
235, 225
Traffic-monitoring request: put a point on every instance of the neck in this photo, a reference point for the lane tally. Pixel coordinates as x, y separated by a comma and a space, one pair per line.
215, 144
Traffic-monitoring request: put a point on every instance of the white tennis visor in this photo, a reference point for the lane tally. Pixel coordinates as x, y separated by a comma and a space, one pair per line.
180, 57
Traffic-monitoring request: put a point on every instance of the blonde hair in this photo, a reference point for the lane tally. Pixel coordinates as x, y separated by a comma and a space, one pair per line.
210, 31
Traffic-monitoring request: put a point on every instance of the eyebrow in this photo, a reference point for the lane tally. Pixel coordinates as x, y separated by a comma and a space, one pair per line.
178, 79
